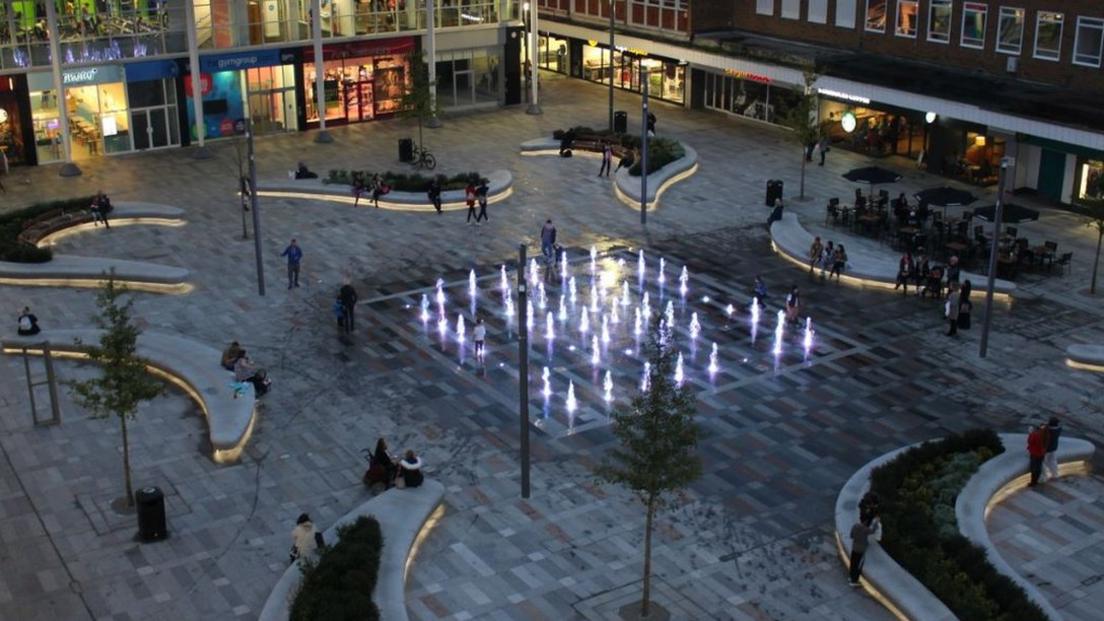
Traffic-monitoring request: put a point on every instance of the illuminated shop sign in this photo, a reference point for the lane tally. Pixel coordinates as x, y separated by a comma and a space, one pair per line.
751, 77
844, 96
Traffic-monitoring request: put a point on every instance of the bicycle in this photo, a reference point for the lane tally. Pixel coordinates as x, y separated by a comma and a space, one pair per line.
424, 159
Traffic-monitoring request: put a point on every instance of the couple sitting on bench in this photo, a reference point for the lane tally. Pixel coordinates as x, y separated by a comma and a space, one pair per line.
383, 468
237, 360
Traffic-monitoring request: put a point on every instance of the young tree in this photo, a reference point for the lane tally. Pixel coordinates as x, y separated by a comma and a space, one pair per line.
1096, 214
124, 382
802, 122
417, 101
658, 440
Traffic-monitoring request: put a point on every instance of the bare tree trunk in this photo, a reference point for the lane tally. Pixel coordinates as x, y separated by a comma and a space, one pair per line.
126, 463
1096, 261
646, 603
802, 197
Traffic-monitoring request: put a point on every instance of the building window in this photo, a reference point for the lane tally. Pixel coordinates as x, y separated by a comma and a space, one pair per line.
939, 21
1090, 189
876, 15
818, 11
973, 24
1090, 35
764, 7
1010, 30
1048, 36
845, 13
906, 18
791, 9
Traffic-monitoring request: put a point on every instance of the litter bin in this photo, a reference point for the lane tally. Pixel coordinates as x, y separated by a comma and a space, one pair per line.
621, 122
406, 150
151, 514
774, 191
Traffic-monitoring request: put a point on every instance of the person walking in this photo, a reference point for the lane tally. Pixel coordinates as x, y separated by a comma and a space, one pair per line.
815, 251
904, 271
839, 262
953, 270
481, 196
480, 336
469, 196
1036, 452
348, 296
861, 534
607, 159
1050, 460
965, 306
548, 241
824, 148
951, 309
305, 539
434, 193
294, 256
793, 305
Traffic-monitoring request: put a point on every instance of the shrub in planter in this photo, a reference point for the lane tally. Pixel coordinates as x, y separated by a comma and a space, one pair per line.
12, 224
661, 152
404, 182
339, 586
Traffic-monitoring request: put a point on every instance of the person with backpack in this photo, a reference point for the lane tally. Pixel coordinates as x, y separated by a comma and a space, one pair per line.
348, 297
28, 323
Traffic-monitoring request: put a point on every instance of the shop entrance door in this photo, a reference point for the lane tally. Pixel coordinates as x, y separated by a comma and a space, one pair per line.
1052, 172
463, 87
365, 99
151, 128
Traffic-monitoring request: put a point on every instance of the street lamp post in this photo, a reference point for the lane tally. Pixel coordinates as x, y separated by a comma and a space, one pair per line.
644, 147
256, 212
613, 11
323, 136
523, 370
528, 65
998, 214
534, 83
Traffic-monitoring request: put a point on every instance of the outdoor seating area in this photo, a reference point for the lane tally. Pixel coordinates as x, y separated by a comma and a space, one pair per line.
920, 225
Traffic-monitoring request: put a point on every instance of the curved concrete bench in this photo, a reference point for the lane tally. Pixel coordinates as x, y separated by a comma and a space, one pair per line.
405, 517
191, 366
625, 186
997, 479
125, 213
885, 580
791, 241
1087, 357
66, 270
499, 187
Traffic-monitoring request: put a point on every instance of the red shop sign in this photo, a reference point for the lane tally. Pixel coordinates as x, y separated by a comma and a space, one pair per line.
204, 84
396, 46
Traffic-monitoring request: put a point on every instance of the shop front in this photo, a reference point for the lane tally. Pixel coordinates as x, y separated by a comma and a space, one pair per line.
259, 85
749, 95
151, 96
362, 80
468, 78
16, 129
553, 53
1089, 185
857, 124
96, 101
666, 77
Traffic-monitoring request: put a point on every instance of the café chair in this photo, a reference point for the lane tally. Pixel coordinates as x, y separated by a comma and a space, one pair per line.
1065, 262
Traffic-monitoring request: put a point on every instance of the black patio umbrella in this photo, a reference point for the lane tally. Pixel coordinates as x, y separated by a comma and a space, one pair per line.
874, 175
945, 197
1012, 213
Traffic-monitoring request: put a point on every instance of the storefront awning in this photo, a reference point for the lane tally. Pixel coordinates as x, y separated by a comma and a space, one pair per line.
395, 46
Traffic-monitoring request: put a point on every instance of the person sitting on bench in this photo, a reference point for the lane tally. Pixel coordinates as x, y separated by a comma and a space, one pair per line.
302, 172
231, 355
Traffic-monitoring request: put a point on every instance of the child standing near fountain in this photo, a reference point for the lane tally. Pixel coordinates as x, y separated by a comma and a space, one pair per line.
480, 336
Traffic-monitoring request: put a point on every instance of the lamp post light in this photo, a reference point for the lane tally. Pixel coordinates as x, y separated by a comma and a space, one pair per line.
528, 67
256, 212
523, 370
998, 214
643, 146
613, 12
534, 81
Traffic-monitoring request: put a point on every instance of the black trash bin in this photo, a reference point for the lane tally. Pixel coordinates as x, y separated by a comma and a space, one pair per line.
621, 121
151, 514
774, 191
406, 150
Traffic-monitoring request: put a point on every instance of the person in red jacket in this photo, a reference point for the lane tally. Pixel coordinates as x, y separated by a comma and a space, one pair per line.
1036, 451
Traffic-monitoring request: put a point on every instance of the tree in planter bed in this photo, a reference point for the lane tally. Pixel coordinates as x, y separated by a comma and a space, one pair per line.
339, 585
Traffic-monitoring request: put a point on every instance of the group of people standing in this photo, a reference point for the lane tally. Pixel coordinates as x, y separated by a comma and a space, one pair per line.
1042, 450
474, 194
831, 259
928, 279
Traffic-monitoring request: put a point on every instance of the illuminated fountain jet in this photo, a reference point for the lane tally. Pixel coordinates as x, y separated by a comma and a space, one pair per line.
662, 278
549, 329
647, 308
442, 326
729, 310
542, 297
509, 306
684, 278
670, 314
646, 380
572, 290
713, 368
547, 383
571, 403
679, 376
584, 321
607, 387
625, 293
637, 322
615, 317
460, 328
593, 259
695, 326
440, 296
534, 271
503, 282
779, 332
605, 329
563, 308
529, 313
471, 285
563, 264
425, 308
807, 343
595, 352
641, 266
593, 298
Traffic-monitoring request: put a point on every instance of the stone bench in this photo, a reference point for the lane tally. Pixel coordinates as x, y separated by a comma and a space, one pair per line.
499, 187
625, 186
1086, 356
790, 240
47, 231
997, 479
191, 366
405, 517
75, 271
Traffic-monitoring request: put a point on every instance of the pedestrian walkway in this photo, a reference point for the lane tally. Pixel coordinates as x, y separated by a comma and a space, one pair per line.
1054, 536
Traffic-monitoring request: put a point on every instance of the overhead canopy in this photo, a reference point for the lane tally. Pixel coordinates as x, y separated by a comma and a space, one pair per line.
1011, 214
874, 175
945, 196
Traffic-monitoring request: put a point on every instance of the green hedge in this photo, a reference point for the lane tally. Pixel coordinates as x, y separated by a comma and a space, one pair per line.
916, 493
13, 223
400, 182
339, 586
661, 151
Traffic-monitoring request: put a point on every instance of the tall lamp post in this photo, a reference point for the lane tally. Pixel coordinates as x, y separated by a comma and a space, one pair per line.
644, 146
534, 82
612, 12
323, 136
523, 370
256, 212
998, 214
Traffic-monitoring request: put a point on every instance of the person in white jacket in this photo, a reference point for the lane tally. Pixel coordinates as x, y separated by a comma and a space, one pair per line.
305, 539
410, 469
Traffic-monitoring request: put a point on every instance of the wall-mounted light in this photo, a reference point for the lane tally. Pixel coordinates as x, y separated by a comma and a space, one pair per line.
525, 7
930, 117
849, 121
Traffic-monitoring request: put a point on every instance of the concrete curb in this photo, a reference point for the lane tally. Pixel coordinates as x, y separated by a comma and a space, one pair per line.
790, 240
1001, 477
405, 517
190, 365
1087, 357
499, 187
